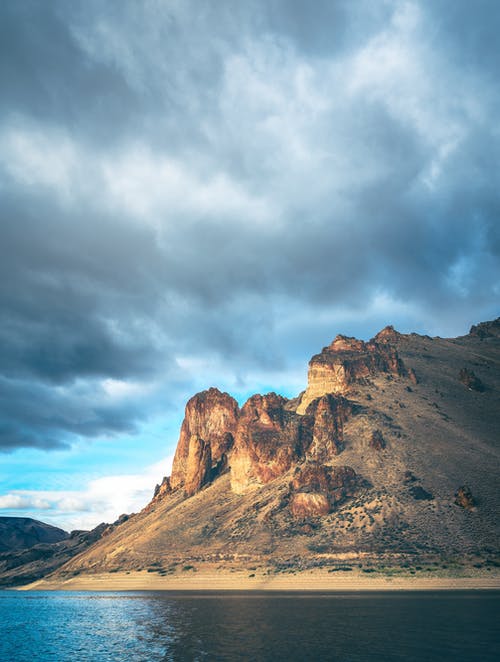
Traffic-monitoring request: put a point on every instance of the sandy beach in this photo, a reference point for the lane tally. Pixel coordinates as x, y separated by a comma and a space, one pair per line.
224, 580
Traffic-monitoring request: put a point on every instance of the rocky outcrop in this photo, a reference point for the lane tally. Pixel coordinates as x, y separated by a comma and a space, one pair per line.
268, 440
162, 489
270, 437
211, 417
464, 498
316, 489
270, 433
388, 335
348, 361
328, 414
470, 381
259, 442
486, 329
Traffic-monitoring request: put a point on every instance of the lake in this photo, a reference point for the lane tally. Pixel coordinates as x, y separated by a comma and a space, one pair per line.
460, 626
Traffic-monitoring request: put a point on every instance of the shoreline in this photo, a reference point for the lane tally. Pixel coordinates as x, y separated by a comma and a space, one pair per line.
226, 581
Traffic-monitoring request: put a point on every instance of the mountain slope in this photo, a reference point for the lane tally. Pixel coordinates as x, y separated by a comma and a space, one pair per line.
20, 532
391, 454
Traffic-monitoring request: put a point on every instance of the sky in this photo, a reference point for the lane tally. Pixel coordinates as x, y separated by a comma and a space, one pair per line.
198, 194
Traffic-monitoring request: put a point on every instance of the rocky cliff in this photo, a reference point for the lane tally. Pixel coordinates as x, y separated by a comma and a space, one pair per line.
207, 435
271, 434
347, 362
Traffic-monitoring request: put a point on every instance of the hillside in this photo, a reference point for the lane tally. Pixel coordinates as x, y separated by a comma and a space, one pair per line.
389, 457
20, 532
33, 549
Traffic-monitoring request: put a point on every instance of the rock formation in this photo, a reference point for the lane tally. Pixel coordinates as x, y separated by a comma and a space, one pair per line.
348, 361
211, 417
162, 489
464, 498
269, 439
470, 381
486, 329
362, 465
317, 489
329, 413
270, 434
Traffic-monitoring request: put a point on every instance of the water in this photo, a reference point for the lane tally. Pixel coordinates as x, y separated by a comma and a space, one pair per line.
102, 627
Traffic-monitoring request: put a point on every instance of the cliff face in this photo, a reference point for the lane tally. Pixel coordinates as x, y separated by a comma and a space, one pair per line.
207, 435
329, 413
347, 362
269, 435
269, 439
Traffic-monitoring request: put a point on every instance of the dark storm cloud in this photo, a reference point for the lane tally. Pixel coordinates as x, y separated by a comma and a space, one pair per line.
38, 417
188, 182
46, 75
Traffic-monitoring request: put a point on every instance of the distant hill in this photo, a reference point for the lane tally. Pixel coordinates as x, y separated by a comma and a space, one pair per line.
54, 547
18, 533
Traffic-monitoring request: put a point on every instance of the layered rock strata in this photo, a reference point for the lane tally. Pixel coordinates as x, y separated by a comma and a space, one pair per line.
348, 361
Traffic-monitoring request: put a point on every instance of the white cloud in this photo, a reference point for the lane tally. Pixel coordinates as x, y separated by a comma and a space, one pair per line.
22, 499
118, 389
159, 189
103, 499
39, 157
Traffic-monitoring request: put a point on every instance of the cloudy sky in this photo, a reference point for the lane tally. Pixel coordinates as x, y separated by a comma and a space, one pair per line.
206, 193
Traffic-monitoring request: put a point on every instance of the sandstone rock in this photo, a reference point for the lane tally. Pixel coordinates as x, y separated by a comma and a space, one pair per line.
464, 498
470, 381
212, 416
345, 362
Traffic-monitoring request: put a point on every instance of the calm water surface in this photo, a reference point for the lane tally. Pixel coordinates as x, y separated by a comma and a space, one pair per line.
420, 627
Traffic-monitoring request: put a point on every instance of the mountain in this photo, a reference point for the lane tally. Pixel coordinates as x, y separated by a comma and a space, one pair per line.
31, 549
20, 532
389, 457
